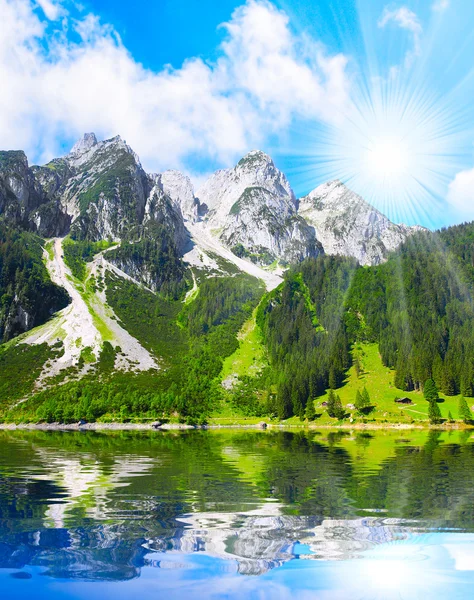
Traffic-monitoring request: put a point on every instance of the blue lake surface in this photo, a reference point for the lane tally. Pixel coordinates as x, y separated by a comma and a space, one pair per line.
237, 514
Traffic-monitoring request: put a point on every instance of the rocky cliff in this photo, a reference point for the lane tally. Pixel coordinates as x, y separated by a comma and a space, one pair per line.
253, 210
347, 225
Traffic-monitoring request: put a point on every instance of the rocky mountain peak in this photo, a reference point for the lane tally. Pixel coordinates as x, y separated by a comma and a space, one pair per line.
12, 159
85, 143
253, 210
255, 159
255, 170
334, 196
348, 225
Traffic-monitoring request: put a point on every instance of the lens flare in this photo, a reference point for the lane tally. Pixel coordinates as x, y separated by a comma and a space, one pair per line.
387, 158
392, 150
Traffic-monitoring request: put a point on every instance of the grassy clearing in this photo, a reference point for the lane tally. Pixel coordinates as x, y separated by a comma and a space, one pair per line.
379, 381
78, 254
309, 303
89, 297
250, 357
274, 266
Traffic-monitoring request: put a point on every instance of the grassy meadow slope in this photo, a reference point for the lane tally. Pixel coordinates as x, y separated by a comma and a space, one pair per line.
379, 382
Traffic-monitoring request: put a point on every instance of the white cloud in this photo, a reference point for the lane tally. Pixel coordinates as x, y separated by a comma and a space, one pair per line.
52, 10
440, 5
53, 88
284, 75
461, 194
408, 20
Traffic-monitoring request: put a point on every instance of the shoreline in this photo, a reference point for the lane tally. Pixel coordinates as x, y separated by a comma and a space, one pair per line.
215, 427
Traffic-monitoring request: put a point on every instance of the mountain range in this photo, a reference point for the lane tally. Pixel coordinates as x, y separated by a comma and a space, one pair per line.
100, 191
107, 269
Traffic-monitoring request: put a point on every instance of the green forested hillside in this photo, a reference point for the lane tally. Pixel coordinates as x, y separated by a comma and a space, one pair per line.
417, 306
303, 327
191, 341
331, 325
27, 295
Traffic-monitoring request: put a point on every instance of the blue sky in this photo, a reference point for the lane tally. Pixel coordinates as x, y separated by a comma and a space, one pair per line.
372, 92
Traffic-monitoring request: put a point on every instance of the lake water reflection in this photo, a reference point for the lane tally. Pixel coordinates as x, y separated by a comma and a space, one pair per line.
236, 514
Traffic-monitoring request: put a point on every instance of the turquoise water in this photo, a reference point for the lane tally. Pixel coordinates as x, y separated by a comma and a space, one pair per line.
241, 514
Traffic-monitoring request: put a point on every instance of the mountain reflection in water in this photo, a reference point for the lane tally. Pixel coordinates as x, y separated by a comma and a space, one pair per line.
236, 514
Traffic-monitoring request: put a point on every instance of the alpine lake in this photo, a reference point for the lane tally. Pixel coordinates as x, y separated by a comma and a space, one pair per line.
237, 514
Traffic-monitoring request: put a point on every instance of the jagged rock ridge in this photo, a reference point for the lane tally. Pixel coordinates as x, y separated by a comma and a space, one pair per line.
348, 225
101, 191
254, 211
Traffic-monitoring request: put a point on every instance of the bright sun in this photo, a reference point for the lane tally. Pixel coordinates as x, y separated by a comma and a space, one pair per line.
393, 148
387, 158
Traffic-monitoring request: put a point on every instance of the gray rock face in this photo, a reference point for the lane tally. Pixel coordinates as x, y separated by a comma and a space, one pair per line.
20, 193
347, 225
84, 143
160, 208
179, 189
253, 210
106, 193
48, 220
110, 196
18, 320
268, 228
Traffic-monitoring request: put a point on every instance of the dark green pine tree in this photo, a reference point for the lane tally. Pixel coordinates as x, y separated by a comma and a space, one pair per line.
331, 404
302, 413
298, 409
434, 414
438, 370
430, 391
332, 378
339, 412
467, 381
449, 386
357, 367
362, 401
283, 403
310, 412
402, 378
365, 398
464, 411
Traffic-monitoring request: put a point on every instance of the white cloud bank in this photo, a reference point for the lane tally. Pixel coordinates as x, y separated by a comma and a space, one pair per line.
54, 88
461, 194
